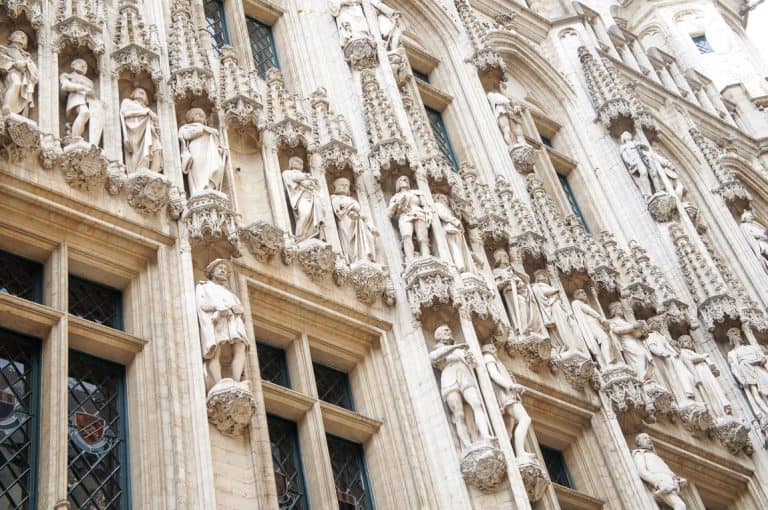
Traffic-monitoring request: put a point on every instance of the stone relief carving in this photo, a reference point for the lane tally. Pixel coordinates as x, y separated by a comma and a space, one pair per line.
662, 482
141, 133
202, 156
414, 216
356, 232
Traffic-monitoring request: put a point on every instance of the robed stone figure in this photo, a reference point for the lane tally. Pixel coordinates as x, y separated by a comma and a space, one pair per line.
357, 235
304, 196
202, 157
141, 134
20, 75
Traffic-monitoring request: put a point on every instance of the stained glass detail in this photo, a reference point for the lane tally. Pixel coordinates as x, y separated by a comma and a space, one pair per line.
21, 277
572, 200
262, 46
555, 462
333, 386
272, 364
19, 398
441, 134
98, 469
95, 302
348, 465
702, 44
216, 24
286, 459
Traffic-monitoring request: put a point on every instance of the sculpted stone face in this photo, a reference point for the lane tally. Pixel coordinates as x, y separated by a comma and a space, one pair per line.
403, 183
20, 39
196, 115
296, 163
140, 95
341, 186
644, 442
443, 334
580, 295
501, 257
78, 65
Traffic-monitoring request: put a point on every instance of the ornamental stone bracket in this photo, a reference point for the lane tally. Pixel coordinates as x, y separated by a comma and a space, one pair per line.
535, 349
230, 407
623, 389
262, 239
84, 165
577, 369
20, 137
734, 435
483, 466
360, 53
484, 57
191, 73
695, 417
663, 207
523, 156
535, 477
389, 154
316, 258
148, 191
210, 220
241, 104
717, 310
735, 195
33, 9
429, 282
286, 117
476, 299
658, 402
369, 280
331, 136
80, 32
136, 51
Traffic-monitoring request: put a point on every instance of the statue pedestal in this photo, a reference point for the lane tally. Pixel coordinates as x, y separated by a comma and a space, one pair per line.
663, 207
210, 220
230, 407
695, 417
370, 280
85, 166
577, 368
734, 435
483, 466
22, 132
659, 402
534, 476
315, 257
148, 191
535, 349
523, 156
623, 389
361, 53
262, 239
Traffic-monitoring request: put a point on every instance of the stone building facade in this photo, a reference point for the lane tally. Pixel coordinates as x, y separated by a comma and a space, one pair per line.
382, 254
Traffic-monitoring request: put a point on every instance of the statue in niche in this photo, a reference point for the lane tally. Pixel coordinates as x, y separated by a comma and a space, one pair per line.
83, 108
647, 166
220, 315
141, 133
202, 156
555, 314
748, 364
521, 305
413, 217
391, 25
504, 110
630, 335
459, 388
508, 394
678, 376
304, 197
705, 374
356, 233
454, 234
21, 75
665, 485
594, 329
756, 235
350, 20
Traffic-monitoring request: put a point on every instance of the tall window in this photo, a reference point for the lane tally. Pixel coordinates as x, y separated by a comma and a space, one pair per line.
216, 24
348, 464
272, 364
420, 76
572, 200
441, 134
286, 459
19, 403
95, 302
555, 462
702, 44
98, 458
262, 46
333, 386
21, 277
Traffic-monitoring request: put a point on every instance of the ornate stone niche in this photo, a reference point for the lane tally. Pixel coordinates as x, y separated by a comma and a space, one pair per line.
138, 50
429, 282
79, 24
191, 79
287, 116
212, 224
485, 58
24, 12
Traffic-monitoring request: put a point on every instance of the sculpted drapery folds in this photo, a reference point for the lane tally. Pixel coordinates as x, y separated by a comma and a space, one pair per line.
413, 215
630, 335
594, 330
141, 133
220, 315
555, 313
756, 236
459, 387
651, 172
704, 377
663, 483
304, 197
202, 157
352, 24
677, 376
454, 234
356, 233
748, 364
503, 110
521, 306
83, 107
20, 75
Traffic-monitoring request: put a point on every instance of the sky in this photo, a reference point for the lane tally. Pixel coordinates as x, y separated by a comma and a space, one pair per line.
758, 28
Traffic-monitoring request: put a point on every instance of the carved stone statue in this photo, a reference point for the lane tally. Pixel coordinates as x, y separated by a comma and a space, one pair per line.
630, 335
202, 156
748, 364
141, 133
756, 235
555, 314
357, 234
594, 328
20, 75
220, 315
304, 196
350, 19
521, 305
677, 375
459, 388
503, 110
508, 394
646, 165
83, 107
664, 484
391, 25
413, 217
705, 374
454, 233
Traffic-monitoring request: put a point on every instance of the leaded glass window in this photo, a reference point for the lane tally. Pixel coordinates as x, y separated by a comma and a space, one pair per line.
333, 386
98, 462
555, 462
272, 364
21, 277
286, 459
19, 401
572, 200
262, 46
216, 24
348, 464
420, 76
546, 141
95, 302
441, 134
702, 44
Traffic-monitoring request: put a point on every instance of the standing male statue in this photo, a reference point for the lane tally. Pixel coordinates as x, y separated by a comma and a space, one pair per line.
413, 217
454, 234
202, 156
21, 75
304, 197
664, 484
356, 233
594, 327
630, 336
748, 364
141, 133
756, 236
83, 108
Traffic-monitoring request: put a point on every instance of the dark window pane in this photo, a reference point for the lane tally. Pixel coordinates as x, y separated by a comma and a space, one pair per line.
97, 470
421, 76
333, 386
216, 24
21, 277
441, 134
272, 364
286, 458
262, 46
348, 464
95, 302
558, 471
546, 141
702, 43
572, 200
19, 398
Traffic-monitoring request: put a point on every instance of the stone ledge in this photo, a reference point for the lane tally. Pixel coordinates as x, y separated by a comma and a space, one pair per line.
102, 341
348, 424
27, 317
285, 402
